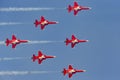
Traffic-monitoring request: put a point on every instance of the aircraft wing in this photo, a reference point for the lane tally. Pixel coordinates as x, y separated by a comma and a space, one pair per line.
72, 45
75, 12
40, 53
14, 45
14, 37
73, 37
70, 67
75, 4
42, 19
39, 61
42, 27
70, 75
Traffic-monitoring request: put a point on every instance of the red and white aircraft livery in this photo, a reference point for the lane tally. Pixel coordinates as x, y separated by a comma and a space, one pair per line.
71, 71
74, 41
41, 57
43, 22
14, 41
76, 8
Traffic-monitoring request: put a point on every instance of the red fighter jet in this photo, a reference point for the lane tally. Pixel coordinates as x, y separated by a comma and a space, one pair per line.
74, 41
71, 71
14, 41
40, 57
43, 22
76, 8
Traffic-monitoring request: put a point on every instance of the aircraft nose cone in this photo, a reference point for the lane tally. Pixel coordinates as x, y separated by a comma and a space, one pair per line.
84, 70
54, 56
89, 7
57, 22
87, 40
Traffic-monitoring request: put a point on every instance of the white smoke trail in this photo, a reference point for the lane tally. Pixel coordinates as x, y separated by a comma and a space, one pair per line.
3, 73
24, 9
36, 42
2, 43
15, 58
9, 23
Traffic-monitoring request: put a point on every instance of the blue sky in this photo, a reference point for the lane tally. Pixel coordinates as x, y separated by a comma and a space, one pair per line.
99, 56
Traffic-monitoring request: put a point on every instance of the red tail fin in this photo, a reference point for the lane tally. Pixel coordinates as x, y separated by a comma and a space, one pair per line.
69, 8
33, 57
7, 42
64, 71
36, 23
67, 41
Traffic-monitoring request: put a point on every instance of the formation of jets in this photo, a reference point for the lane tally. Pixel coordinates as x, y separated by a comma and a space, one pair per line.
42, 23
76, 8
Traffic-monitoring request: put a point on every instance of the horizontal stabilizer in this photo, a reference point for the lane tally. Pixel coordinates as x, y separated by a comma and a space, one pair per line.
7, 42
36, 23
67, 41
69, 8
64, 72
33, 57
